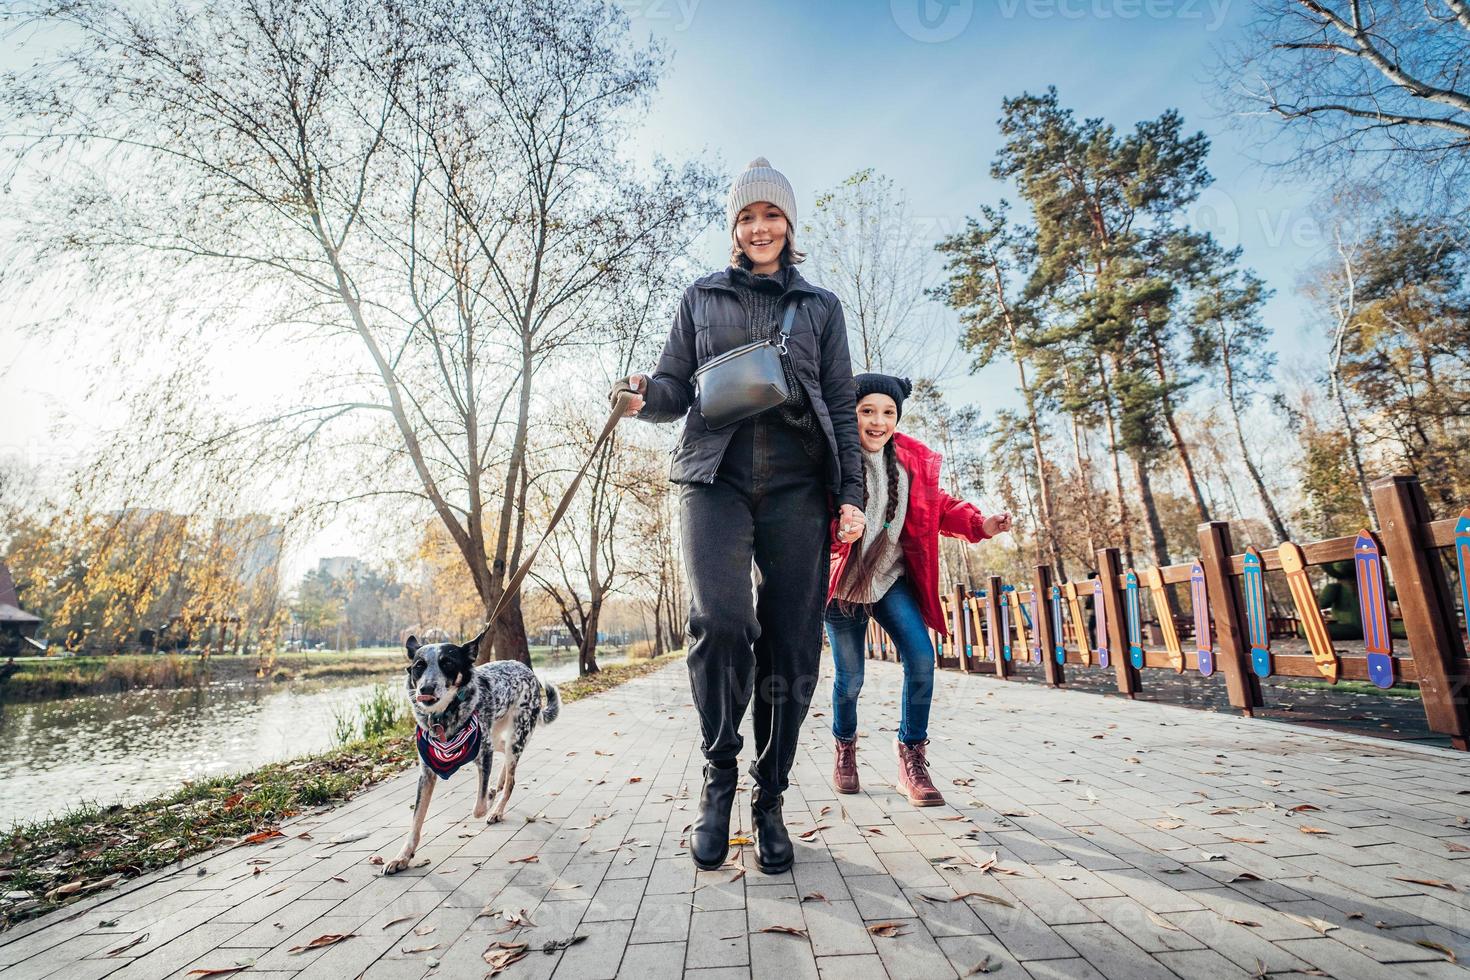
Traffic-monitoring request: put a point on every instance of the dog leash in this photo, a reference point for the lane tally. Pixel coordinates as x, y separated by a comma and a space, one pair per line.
513, 585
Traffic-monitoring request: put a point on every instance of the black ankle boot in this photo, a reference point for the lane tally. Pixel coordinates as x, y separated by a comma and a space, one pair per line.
772, 843
709, 838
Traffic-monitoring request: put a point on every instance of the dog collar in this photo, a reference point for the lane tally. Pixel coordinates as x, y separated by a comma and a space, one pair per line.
445, 756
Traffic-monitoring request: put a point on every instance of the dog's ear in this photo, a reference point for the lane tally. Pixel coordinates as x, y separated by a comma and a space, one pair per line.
412, 646
473, 646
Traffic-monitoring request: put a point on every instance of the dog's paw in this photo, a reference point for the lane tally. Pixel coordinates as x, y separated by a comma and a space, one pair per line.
495, 817
481, 809
400, 863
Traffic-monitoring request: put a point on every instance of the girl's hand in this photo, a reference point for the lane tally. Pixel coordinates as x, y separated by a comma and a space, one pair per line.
850, 524
996, 523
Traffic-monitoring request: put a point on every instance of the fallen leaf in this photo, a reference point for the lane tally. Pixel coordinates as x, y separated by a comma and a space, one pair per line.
808, 835
1430, 882
424, 930
127, 946
1449, 954
740, 841
222, 971
500, 955
321, 942
552, 945
1314, 830
635, 779
992, 899
1303, 807
261, 836
375, 859
1456, 847
528, 859
1163, 923
393, 922
1244, 876
888, 930
1245, 840
417, 949
816, 897
1244, 922
1311, 922
785, 930
1168, 824
982, 967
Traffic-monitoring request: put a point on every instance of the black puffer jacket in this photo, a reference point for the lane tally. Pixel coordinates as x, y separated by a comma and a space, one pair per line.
711, 320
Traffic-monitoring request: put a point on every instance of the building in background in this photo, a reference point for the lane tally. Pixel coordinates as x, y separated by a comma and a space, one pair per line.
17, 627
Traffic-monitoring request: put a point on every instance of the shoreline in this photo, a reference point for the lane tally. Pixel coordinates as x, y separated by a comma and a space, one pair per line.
59, 678
50, 863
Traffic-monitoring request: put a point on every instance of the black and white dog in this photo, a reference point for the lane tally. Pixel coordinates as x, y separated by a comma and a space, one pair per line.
463, 714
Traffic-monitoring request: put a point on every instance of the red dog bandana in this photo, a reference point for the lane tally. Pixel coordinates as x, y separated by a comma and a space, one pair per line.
444, 757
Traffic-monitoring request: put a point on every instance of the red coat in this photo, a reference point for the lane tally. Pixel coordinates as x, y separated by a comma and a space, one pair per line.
931, 512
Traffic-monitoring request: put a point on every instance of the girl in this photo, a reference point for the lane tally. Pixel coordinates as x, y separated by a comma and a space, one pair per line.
893, 570
757, 491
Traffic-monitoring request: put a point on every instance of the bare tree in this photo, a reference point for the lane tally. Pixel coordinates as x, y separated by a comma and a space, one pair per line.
869, 250
432, 186
1376, 85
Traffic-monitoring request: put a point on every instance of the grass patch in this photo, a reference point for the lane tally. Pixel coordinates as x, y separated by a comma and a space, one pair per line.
1353, 687
93, 848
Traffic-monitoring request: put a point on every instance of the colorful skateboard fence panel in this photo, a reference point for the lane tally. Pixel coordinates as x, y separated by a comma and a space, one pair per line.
1253, 589
1135, 617
1373, 603
1294, 563
1099, 612
1199, 597
1462, 558
1166, 618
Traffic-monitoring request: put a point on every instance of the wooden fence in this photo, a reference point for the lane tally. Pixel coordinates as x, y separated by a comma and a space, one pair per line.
1128, 622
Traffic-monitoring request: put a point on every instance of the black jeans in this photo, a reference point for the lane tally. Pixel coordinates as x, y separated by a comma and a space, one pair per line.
767, 504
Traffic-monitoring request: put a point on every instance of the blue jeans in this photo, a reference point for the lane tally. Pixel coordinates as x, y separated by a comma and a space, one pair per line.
898, 613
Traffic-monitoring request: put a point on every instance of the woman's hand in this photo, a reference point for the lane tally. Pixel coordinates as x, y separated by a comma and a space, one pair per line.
850, 524
639, 384
996, 523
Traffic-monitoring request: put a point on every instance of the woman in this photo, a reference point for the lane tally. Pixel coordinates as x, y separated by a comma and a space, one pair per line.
893, 571
759, 490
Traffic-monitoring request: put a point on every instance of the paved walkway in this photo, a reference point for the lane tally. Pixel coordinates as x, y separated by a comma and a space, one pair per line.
1129, 841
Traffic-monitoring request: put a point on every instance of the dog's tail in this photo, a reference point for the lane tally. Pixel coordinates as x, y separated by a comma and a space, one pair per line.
551, 705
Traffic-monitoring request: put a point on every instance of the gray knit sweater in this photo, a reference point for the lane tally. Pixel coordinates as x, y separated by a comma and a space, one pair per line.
885, 539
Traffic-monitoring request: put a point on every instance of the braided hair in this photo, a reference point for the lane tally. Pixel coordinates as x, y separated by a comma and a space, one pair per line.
857, 575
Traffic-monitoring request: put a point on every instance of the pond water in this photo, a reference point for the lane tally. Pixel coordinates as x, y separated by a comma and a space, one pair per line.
124, 748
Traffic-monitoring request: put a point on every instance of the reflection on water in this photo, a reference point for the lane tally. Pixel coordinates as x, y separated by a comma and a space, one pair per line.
123, 748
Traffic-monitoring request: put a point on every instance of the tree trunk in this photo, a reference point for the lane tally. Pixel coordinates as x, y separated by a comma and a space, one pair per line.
1272, 514
1048, 514
587, 649
1158, 544
1167, 405
1124, 525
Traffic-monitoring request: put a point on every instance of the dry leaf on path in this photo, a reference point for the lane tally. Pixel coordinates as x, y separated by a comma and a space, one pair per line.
786, 931
1449, 954
393, 922
321, 942
127, 946
417, 949
888, 930
1430, 882
1315, 830
816, 897
224, 971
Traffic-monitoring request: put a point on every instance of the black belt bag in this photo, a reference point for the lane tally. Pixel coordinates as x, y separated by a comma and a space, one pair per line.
745, 381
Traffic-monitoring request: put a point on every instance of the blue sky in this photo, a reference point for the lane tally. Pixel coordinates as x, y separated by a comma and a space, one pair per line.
824, 89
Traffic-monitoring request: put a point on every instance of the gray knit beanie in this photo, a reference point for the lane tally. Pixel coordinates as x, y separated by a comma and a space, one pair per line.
762, 182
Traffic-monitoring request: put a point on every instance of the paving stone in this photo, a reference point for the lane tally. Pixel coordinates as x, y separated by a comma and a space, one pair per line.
1117, 875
